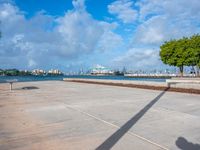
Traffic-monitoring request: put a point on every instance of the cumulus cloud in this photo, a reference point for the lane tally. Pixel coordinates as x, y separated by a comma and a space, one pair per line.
164, 20
159, 21
124, 11
79, 5
66, 37
22, 38
177, 8
47, 41
113, 39
82, 34
138, 58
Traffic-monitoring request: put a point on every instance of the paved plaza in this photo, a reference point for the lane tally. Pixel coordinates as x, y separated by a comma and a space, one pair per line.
58, 115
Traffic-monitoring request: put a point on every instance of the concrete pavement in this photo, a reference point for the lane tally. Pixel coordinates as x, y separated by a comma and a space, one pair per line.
66, 115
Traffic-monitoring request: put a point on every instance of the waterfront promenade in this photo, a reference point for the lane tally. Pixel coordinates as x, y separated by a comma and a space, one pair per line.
187, 85
58, 115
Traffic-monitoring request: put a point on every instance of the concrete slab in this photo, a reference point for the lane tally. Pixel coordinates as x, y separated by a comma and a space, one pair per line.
67, 115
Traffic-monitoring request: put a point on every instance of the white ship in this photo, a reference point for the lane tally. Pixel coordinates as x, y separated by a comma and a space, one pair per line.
101, 70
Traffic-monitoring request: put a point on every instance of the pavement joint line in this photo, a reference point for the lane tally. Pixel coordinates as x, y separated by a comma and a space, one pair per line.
113, 125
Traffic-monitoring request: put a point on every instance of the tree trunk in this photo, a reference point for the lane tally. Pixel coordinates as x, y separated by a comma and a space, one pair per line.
193, 71
181, 71
197, 71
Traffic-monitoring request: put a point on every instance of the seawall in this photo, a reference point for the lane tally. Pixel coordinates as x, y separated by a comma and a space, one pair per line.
179, 87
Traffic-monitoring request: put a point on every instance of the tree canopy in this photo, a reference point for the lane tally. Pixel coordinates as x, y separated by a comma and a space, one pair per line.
181, 52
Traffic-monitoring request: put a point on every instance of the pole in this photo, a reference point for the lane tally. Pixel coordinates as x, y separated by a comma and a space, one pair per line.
10, 86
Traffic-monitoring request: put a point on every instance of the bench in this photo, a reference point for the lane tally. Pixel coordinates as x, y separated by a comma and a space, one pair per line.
11, 83
175, 81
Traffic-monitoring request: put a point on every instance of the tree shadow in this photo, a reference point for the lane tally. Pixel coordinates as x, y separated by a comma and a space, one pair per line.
183, 144
115, 137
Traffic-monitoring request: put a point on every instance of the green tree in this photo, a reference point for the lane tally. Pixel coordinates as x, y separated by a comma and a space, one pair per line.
167, 51
195, 47
173, 53
11, 72
182, 52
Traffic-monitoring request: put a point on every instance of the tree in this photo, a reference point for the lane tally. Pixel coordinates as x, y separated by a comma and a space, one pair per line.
166, 53
183, 45
194, 52
182, 52
173, 53
11, 72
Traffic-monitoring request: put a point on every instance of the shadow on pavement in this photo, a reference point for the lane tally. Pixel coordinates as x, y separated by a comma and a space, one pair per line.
29, 88
115, 137
183, 144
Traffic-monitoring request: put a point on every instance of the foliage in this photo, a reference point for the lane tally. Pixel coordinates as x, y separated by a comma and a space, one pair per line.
182, 52
195, 50
14, 72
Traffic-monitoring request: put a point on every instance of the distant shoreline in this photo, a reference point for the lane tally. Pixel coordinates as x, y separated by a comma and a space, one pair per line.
139, 76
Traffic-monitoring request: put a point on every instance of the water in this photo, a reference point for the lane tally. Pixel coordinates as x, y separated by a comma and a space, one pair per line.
60, 78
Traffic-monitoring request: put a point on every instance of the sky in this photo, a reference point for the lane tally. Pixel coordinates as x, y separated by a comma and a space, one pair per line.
74, 34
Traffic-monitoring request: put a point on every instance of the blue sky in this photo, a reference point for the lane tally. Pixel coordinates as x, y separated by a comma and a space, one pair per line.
74, 34
97, 8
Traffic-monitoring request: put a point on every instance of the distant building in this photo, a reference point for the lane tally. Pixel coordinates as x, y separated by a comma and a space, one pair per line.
38, 72
54, 72
101, 70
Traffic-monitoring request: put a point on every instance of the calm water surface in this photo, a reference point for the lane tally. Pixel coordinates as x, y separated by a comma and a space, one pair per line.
60, 78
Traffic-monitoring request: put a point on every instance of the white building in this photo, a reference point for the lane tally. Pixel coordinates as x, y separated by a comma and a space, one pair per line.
56, 71
38, 72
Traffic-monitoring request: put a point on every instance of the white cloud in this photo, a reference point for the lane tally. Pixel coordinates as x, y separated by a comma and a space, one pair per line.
81, 33
158, 21
66, 37
31, 63
163, 20
139, 58
79, 5
176, 8
153, 31
109, 40
124, 11
44, 40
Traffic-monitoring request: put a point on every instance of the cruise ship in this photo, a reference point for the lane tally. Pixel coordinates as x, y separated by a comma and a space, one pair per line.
101, 70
